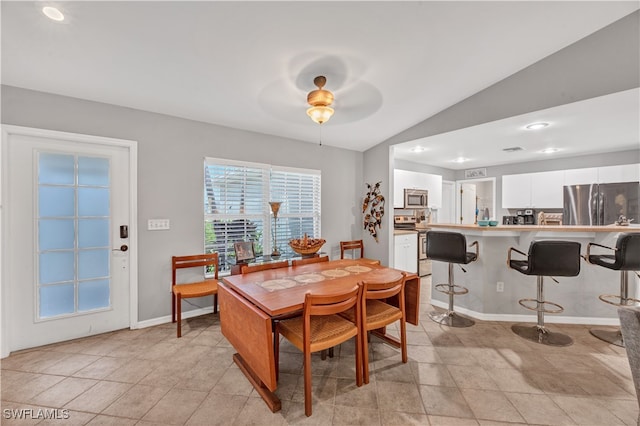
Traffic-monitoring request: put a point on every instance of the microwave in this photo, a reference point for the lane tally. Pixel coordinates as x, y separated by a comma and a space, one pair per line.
416, 199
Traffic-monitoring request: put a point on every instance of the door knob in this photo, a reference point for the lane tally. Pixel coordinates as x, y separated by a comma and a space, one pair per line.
123, 247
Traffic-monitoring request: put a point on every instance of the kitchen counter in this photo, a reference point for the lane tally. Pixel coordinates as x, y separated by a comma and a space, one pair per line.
404, 231
536, 228
578, 295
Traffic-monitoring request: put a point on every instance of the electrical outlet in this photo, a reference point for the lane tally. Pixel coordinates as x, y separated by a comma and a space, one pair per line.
500, 287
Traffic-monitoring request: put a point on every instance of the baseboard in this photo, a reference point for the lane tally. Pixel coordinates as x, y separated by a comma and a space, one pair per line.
166, 319
552, 319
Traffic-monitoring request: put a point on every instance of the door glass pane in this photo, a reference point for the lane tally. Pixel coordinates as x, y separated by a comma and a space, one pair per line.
93, 171
93, 233
56, 266
93, 295
56, 169
74, 234
93, 202
56, 234
56, 201
56, 300
93, 264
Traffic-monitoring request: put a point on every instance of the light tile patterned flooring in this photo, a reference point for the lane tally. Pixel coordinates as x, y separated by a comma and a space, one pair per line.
482, 375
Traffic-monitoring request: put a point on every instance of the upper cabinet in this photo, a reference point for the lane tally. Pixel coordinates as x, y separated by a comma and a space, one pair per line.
623, 173
544, 189
415, 180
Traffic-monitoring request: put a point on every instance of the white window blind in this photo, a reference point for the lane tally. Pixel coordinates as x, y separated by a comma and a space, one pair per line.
236, 206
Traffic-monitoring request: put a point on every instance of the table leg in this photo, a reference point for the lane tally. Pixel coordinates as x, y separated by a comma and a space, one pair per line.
270, 398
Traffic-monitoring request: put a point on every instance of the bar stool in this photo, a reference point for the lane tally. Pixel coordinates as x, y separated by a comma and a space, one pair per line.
450, 247
545, 258
626, 257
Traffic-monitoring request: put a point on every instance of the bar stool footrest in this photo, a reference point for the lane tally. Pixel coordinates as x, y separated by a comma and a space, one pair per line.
451, 319
541, 335
523, 303
629, 301
451, 289
610, 336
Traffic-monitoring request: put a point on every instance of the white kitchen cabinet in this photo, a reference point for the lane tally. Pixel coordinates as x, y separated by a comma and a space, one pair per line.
406, 252
516, 191
403, 179
581, 176
434, 186
621, 173
546, 189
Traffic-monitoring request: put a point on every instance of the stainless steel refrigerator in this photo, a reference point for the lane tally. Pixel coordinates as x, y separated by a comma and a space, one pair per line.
601, 204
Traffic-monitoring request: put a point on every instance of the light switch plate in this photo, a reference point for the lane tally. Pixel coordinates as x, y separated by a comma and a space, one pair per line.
158, 224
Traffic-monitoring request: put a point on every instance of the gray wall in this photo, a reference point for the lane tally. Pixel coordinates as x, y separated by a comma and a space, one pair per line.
170, 175
605, 62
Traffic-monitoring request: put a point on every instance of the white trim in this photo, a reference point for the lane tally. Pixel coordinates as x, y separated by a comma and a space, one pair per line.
555, 319
167, 318
132, 146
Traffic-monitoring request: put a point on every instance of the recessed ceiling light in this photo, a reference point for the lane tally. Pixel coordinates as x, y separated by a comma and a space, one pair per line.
536, 126
549, 150
417, 149
53, 13
460, 160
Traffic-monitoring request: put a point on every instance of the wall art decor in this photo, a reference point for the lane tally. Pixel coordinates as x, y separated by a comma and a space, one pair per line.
373, 209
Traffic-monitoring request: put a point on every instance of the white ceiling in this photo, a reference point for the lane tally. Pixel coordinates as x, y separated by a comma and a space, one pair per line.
604, 124
249, 65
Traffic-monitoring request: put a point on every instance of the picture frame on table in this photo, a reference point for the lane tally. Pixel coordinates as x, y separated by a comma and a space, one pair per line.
244, 251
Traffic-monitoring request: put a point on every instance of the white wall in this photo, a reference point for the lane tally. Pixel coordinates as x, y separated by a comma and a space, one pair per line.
170, 183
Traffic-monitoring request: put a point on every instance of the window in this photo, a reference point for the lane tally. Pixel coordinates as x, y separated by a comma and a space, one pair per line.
236, 206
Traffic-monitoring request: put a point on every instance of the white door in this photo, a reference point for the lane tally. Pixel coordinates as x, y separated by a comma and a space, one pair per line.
66, 237
467, 208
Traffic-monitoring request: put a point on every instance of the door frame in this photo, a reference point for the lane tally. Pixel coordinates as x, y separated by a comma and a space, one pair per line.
493, 188
132, 146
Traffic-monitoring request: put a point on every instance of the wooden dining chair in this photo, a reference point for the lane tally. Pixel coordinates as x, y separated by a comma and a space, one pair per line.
206, 287
308, 260
319, 328
376, 314
247, 269
351, 245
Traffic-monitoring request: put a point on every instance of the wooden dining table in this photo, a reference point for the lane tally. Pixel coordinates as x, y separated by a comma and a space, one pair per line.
249, 304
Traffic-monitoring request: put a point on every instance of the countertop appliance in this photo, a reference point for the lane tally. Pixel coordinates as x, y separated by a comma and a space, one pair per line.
416, 198
509, 220
601, 204
526, 217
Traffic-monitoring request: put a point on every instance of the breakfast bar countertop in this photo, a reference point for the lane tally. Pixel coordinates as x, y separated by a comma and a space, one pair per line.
536, 228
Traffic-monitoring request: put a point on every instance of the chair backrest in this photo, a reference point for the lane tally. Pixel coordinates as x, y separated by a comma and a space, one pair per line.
329, 304
447, 246
630, 328
385, 289
307, 260
246, 269
192, 261
351, 245
554, 258
628, 252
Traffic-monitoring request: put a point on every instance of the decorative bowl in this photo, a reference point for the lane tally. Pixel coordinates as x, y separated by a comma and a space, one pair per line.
306, 246
483, 223
493, 223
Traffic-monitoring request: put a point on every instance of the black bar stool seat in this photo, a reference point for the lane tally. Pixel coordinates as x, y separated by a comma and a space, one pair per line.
545, 258
450, 247
625, 258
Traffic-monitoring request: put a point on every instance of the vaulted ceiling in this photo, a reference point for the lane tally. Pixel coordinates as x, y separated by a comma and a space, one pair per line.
250, 65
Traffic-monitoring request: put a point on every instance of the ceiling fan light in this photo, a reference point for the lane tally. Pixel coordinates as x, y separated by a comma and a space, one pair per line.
320, 100
320, 114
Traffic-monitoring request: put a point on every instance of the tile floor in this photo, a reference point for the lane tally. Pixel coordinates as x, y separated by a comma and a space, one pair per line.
482, 375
